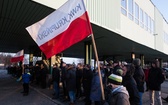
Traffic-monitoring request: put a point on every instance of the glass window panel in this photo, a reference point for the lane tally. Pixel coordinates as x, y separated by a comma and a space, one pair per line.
152, 26
123, 11
124, 3
130, 9
124, 7
136, 13
149, 24
141, 18
146, 21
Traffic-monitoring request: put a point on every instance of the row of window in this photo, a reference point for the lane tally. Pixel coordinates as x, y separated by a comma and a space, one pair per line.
132, 10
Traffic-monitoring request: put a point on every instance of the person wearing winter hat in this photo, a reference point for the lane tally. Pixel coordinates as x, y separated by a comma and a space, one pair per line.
130, 84
139, 77
118, 94
116, 66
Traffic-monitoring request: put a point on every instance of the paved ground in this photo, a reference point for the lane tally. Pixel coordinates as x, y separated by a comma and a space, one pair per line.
10, 93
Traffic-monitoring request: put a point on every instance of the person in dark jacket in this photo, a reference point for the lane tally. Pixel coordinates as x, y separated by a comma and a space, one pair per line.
155, 79
139, 77
63, 80
96, 94
56, 80
79, 74
43, 76
37, 73
130, 84
87, 80
71, 83
26, 79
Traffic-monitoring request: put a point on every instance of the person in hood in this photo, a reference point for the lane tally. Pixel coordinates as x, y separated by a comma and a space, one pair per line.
119, 95
155, 79
130, 84
71, 83
139, 77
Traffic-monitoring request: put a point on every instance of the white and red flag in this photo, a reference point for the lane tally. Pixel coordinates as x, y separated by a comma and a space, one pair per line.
64, 27
18, 56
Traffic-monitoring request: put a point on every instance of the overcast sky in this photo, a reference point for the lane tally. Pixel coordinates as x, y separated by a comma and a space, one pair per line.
162, 6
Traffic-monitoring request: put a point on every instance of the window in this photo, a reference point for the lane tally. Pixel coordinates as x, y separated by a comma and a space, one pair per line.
152, 26
149, 24
136, 13
130, 9
146, 21
124, 7
141, 18
165, 37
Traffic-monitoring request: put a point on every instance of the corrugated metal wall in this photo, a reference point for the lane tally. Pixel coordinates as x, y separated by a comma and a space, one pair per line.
105, 13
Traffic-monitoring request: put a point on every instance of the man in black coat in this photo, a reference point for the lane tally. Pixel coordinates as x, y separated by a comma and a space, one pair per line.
130, 84
79, 75
71, 82
139, 77
43, 76
87, 80
56, 80
155, 79
63, 79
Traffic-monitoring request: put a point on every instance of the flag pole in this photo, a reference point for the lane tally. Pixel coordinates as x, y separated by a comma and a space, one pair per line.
98, 65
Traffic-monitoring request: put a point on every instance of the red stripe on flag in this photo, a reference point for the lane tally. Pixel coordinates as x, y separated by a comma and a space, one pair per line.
17, 59
79, 29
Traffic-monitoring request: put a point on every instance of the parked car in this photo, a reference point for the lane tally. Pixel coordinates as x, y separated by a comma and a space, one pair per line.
166, 72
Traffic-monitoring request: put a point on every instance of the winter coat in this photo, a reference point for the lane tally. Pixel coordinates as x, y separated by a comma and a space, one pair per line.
131, 86
79, 75
119, 97
43, 74
26, 77
155, 79
146, 71
63, 74
95, 94
71, 79
139, 77
87, 79
56, 75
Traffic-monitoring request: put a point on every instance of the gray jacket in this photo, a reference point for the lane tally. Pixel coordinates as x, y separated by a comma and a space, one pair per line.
119, 96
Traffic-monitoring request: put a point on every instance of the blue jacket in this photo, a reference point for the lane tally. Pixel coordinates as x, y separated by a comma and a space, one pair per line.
95, 94
26, 77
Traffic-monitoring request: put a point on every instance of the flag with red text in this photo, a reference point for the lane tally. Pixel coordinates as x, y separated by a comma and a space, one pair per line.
18, 56
61, 29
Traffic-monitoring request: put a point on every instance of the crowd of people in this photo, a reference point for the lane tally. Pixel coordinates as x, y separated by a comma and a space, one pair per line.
117, 77
123, 82
38, 73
